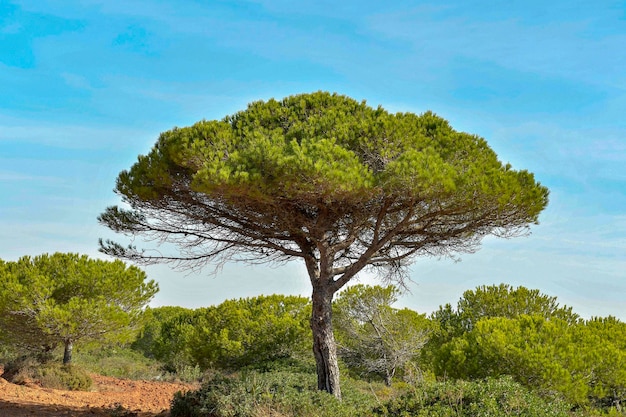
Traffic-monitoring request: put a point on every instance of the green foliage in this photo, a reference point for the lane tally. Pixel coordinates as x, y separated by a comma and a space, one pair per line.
249, 332
375, 338
7, 353
49, 375
273, 393
489, 398
320, 155
326, 179
118, 362
166, 337
64, 298
67, 377
487, 302
604, 340
578, 362
499, 301
149, 338
293, 394
519, 332
323, 144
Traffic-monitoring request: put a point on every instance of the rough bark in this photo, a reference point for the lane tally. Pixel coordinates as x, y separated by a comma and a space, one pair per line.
324, 347
67, 353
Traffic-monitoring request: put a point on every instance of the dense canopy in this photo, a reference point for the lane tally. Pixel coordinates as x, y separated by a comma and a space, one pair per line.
65, 298
286, 170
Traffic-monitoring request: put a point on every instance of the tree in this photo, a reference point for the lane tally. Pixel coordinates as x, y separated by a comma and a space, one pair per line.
499, 301
164, 336
488, 301
322, 178
250, 331
501, 330
583, 361
374, 337
65, 298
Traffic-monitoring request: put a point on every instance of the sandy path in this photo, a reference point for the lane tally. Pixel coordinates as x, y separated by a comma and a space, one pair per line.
138, 398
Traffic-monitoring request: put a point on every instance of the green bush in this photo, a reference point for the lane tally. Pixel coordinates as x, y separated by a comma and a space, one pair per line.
488, 398
7, 353
300, 364
285, 393
124, 362
69, 377
118, 362
49, 375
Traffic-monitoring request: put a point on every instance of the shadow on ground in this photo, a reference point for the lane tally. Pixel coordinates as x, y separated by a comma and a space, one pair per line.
10, 409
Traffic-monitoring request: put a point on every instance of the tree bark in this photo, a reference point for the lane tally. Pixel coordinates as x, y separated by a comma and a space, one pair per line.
324, 346
67, 354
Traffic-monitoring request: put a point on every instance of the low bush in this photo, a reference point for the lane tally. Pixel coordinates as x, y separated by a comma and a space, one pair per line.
272, 393
118, 362
68, 377
49, 375
7, 353
488, 398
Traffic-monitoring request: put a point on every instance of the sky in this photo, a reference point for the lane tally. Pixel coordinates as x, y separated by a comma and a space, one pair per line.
87, 85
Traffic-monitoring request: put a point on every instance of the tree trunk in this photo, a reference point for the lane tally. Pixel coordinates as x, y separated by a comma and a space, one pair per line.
67, 354
324, 347
388, 378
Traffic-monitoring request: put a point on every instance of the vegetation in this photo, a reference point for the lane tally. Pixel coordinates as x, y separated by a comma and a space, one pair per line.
251, 332
375, 338
502, 351
343, 187
326, 179
526, 335
283, 393
123, 362
48, 375
67, 298
486, 398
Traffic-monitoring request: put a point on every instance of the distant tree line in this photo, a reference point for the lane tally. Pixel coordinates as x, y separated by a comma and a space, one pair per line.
57, 300
493, 331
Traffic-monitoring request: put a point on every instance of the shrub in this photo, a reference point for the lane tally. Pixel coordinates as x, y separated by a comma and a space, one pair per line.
21, 370
488, 398
49, 375
118, 362
7, 353
67, 377
273, 393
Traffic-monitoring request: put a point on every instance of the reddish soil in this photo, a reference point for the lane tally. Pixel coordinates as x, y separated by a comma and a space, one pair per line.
110, 397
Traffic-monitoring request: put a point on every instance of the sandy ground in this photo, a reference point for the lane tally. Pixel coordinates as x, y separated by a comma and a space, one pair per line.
109, 397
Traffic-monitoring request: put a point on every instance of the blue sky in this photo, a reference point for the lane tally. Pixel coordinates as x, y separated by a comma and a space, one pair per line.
86, 86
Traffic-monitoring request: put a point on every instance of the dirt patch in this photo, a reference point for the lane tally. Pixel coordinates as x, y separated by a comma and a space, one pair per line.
108, 397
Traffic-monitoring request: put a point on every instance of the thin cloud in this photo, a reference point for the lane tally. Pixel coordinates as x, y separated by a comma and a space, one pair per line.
582, 46
9, 176
69, 136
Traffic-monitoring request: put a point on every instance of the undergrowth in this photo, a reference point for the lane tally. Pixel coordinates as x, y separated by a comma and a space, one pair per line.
486, 398
122, 362
49, 375
291, 394
280, 393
